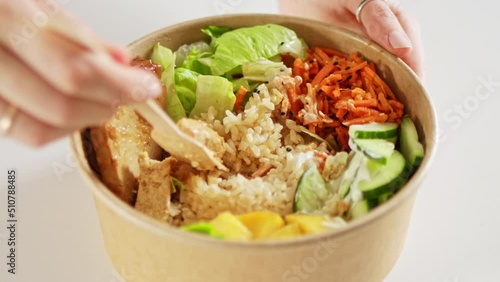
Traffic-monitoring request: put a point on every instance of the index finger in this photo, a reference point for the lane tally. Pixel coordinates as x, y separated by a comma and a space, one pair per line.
83, 70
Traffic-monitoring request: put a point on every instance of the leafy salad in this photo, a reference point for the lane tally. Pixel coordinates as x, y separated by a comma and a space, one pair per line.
337, 100
201, 75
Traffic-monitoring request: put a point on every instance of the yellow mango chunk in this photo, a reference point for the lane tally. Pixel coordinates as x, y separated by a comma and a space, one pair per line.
262, 223
230, 227
288, 231
309, 224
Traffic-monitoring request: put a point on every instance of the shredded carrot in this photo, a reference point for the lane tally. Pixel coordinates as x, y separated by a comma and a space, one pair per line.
323, 73
393, 116
295, 103
353, 69
356, 57
364, 111
371, 65
323, 57
240, 97
328, 90
333, 53
339, 90
333, 124
343, 137
367, 119
395, 104
313, 67
384, 105
365, 103
380, 82
341, 113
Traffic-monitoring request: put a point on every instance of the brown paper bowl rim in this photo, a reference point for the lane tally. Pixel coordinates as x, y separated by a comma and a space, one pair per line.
102, 193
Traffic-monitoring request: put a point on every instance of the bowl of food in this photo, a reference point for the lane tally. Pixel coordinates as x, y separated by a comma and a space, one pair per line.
325, 138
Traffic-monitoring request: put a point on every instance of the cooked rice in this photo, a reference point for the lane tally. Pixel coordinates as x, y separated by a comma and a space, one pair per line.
253, 139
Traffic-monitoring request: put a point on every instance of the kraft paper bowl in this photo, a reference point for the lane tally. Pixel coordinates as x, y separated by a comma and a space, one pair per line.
144, 250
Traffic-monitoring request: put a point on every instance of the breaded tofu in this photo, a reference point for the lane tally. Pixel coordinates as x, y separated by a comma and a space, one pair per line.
119, 141
155, 188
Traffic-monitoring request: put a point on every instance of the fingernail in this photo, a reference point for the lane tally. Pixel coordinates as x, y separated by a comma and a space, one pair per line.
121, 58
399, 40
119, 54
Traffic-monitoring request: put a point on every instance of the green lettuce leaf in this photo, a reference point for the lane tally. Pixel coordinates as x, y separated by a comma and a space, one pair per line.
235, 73
244, 45
166, 58
297, 48
213, 91
183, 51
215, 31
237, 83
262, 70
198, 61
185, 85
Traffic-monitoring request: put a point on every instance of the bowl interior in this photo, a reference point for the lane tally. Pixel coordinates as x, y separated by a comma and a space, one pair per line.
402, 80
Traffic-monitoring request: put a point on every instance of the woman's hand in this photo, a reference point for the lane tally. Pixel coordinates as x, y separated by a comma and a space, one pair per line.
384, 22
56, 85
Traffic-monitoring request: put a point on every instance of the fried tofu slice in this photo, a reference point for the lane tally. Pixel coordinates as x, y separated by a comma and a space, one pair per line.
155, 188
117, 144
119, 141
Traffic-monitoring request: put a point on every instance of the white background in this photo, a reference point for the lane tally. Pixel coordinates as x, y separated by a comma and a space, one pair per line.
455, 230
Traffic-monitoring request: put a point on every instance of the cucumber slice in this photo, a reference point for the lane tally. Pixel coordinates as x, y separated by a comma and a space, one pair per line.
311, 192
388, 179
392, 139
411, 148
379, 150
374, 130
373, 166
361, 208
